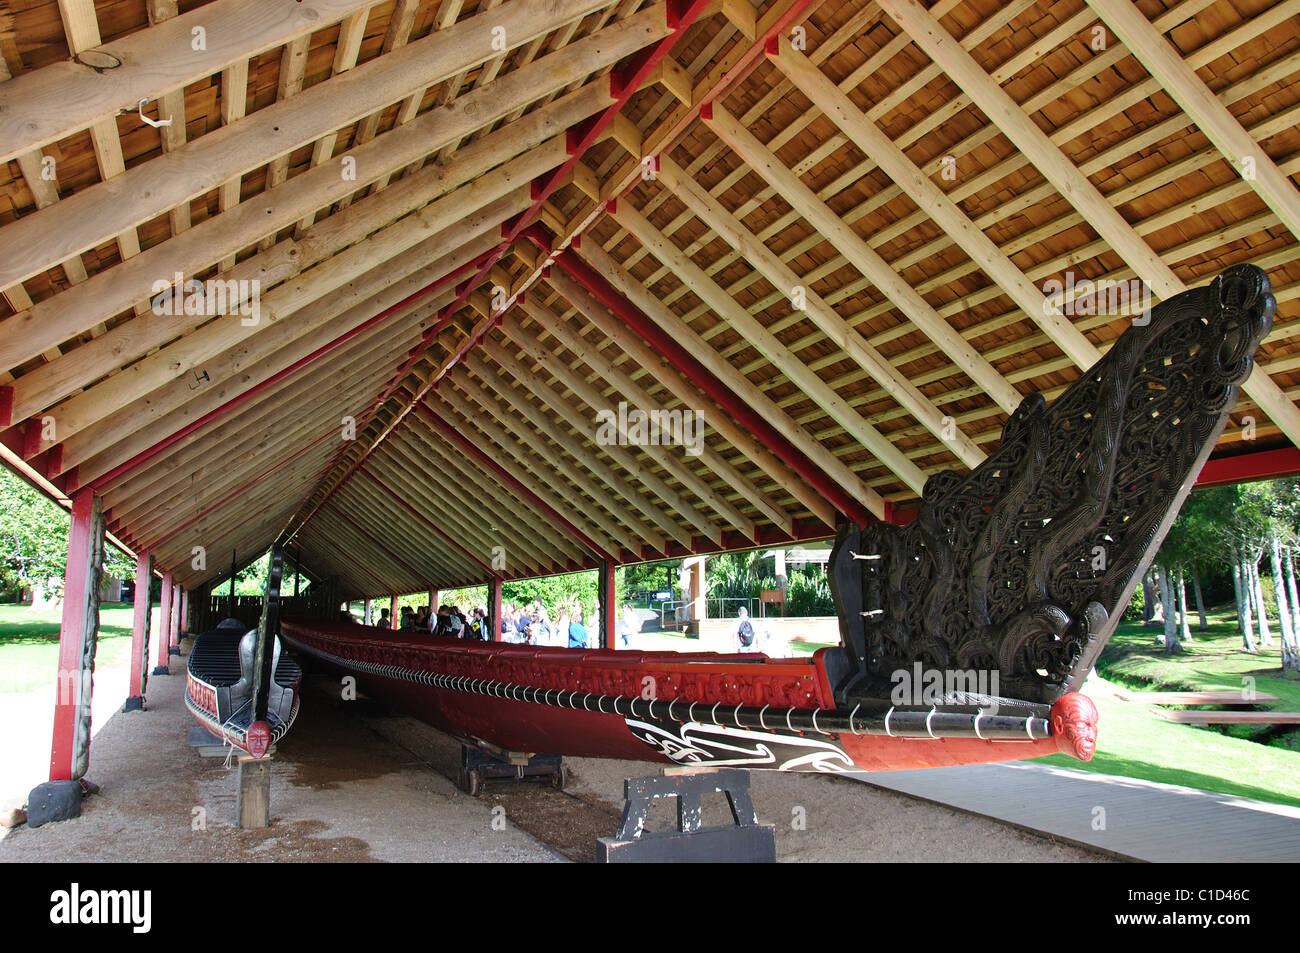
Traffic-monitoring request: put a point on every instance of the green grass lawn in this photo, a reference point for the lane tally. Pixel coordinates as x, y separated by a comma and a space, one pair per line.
29, 643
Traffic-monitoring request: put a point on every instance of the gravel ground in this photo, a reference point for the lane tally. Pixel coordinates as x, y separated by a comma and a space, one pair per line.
352, 782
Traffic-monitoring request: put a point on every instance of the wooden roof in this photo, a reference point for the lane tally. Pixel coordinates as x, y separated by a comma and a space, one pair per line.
847, 212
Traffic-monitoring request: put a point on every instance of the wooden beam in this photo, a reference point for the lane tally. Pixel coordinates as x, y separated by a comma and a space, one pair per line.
641, 355
56, 101
437, 233
665, 457
148, 190
849, 341
863, 257
1070, 182
607, 372
1153, 50
826, 461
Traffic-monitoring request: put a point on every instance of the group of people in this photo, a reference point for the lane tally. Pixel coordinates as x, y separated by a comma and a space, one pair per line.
449, 622
571, 625
532, 624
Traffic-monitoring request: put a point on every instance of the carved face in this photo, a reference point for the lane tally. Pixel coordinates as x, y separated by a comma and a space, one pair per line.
1074, 725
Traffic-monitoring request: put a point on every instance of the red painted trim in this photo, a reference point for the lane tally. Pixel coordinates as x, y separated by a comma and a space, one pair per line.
624, 82
506, 476
1248, 467
79, 577
6, 406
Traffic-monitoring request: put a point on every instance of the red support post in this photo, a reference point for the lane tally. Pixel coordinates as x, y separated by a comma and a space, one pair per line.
433, 600
494, 607
608, 606
70, 746
140, 633
392, 612
164, 621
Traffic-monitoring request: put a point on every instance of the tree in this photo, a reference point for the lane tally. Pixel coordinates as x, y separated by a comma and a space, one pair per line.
34, 540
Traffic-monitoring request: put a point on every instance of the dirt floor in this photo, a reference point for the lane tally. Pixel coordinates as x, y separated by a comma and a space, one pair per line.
352, 782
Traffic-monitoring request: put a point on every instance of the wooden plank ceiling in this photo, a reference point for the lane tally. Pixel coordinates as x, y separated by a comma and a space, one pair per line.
846, 212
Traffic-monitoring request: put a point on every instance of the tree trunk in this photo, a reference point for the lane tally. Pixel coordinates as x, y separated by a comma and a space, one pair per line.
1244, 622
1148, 599
1172, 646
1200, 601
1288, 570
1290, 647
1184, 630
1261, 612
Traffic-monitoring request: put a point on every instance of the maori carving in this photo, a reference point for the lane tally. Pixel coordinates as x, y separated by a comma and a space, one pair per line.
1021, 568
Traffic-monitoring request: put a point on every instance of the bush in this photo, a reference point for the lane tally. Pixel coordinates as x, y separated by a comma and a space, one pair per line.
809, 594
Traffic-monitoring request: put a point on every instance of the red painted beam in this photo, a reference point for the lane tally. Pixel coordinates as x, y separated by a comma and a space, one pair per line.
423, 519
509, 479
1248, 467
690, 367
624, 80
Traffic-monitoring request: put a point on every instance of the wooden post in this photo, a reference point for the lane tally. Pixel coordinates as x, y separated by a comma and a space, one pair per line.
494, 607
254, 801
164, 617
173, 622
366, 617
140, 634
70, 747
433, 601
608, 606
699, 600
392, 613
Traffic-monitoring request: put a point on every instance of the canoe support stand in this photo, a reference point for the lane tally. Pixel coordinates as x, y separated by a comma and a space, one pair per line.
743, 841
254, 802
481, 761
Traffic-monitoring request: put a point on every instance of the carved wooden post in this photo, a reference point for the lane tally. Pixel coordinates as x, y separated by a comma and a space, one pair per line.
70, 749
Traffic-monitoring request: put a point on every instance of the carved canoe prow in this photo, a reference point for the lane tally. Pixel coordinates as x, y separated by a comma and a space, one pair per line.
1017, 573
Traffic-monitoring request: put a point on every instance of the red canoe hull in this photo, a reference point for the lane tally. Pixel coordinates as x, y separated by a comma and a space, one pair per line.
473, 690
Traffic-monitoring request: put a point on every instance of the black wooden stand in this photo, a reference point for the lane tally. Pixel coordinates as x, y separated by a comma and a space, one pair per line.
744, 841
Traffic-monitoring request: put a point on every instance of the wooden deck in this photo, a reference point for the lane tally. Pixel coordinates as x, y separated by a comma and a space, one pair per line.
1143, 820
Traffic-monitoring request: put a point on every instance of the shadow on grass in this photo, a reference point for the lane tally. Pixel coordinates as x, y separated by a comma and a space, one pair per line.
1131, 768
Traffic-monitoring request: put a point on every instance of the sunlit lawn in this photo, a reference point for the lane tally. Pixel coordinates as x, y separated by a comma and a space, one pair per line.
29, 643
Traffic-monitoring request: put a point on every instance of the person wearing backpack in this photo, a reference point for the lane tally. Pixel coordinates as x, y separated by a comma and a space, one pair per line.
744, 631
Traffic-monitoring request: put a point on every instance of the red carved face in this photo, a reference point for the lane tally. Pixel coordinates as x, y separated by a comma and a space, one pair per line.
1074, 725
